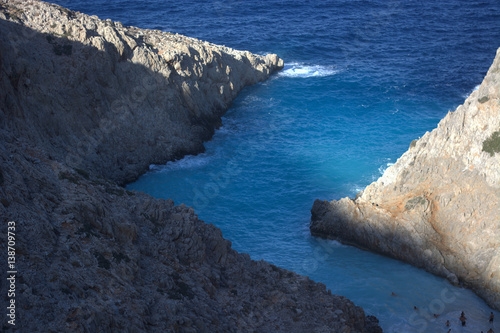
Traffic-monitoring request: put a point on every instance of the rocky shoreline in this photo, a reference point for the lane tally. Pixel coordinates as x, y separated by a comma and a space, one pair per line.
87, 105
438, 206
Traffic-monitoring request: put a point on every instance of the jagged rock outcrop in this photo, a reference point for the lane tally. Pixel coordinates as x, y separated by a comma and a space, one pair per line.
438, 206
130, 96
86, 104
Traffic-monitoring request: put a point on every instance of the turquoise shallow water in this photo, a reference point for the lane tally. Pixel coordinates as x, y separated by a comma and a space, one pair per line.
362, 80
277, 151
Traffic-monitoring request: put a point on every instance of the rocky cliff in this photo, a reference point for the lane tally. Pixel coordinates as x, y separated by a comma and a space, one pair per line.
438, 206
85, 105
129, 96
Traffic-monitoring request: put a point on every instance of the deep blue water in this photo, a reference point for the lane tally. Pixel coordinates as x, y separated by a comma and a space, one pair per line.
362, 80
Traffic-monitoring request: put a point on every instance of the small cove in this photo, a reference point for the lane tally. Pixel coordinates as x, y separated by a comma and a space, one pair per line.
362, 80
257, 181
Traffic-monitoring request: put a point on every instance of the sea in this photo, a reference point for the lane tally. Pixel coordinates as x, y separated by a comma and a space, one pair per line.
362, 79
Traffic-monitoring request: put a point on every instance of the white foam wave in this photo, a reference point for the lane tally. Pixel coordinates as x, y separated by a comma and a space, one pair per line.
475, 88
384, 167
328, 244
334, 243
355, 189
185, 163
303, 71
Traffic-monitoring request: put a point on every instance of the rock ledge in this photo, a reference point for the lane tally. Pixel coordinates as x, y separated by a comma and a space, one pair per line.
438, 206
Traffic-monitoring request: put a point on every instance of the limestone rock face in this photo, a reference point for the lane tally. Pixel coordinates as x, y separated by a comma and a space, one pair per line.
86, 104
121, 88
438, 206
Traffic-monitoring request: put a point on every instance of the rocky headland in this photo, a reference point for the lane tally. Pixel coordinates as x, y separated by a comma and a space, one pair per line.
87, 105
438, 206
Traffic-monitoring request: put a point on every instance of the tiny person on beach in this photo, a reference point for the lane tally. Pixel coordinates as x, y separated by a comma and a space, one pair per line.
463, 319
